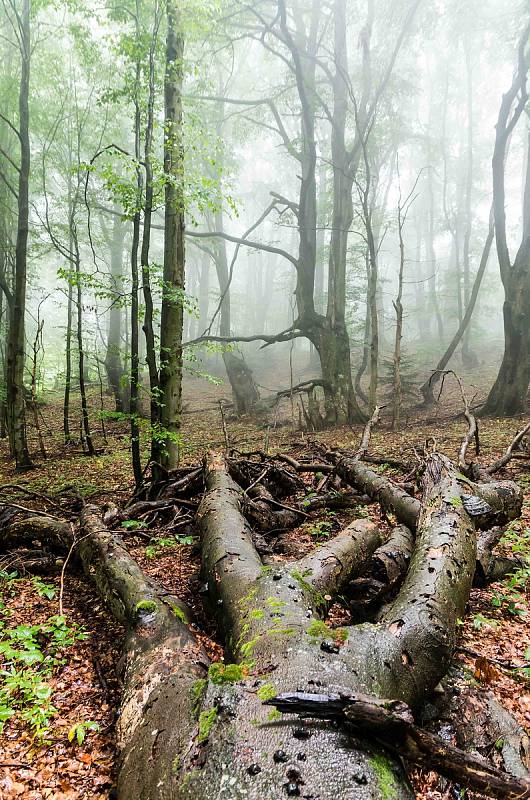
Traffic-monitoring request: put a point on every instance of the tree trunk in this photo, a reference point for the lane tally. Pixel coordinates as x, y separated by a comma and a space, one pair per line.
427, 388
134, 383
244, 389
148, 323
15, 402
508, 395
509, 392
171, 318
469, 358
113, 364
502, 499
85, 421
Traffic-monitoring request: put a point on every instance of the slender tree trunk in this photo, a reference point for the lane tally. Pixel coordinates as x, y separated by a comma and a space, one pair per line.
173, 288
508, 395
81, 353
204, 292
113, 363
148, 324
427, 388
16, 406
244, 390
68, 364
134, 387
469, 359
398, 306
431, 254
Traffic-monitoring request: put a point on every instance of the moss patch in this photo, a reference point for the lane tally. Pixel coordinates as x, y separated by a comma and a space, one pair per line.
220, 673
145, 607
206, 723
382, 767
179, 613
320, 630
267, 691
175, 766
198, 690
316, 598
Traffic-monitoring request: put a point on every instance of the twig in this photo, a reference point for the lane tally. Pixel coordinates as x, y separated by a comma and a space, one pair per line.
499, 662
254, 483
225, 431
29, 510
516, 441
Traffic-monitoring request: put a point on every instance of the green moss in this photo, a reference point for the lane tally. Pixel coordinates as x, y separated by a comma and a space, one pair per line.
220, 673
274, 715
247, 648
382, 766
175, 765
456, 502
265, 571
281, 631
316, 598
248, 598
145, 607
256, 613
188, 778
179, 613
320, 630
267, 691
206, 723
198, 690
273, 602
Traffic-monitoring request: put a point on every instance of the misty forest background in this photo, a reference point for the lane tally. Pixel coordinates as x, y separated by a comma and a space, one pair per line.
332, 166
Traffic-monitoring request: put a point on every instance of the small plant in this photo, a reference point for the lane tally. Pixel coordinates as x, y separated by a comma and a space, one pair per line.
320, 529
206, 723
156, 548
512, 596
220, 673
132, 524
80, 730
30, 654
46, 590
480, 621
266, 692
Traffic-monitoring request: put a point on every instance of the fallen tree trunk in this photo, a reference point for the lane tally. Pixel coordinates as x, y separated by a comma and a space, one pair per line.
387, 569
501, 500
186, 733
270, 619
162, 661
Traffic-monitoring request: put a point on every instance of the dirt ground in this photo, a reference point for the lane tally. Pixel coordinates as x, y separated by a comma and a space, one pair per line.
86, 687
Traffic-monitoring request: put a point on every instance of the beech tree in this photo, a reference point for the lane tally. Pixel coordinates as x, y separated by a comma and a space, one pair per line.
508, 393
19, 21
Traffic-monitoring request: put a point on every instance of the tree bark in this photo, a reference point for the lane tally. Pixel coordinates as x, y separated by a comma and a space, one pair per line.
509, 392
113, 364
171, 319
15, 402
489, 503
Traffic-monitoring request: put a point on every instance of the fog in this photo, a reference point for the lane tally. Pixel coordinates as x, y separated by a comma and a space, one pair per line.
350, 143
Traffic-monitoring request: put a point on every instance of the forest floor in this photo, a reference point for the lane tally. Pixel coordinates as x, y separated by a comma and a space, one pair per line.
74, 756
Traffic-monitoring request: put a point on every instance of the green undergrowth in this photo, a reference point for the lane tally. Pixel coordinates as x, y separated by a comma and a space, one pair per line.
30, 655
511, 596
